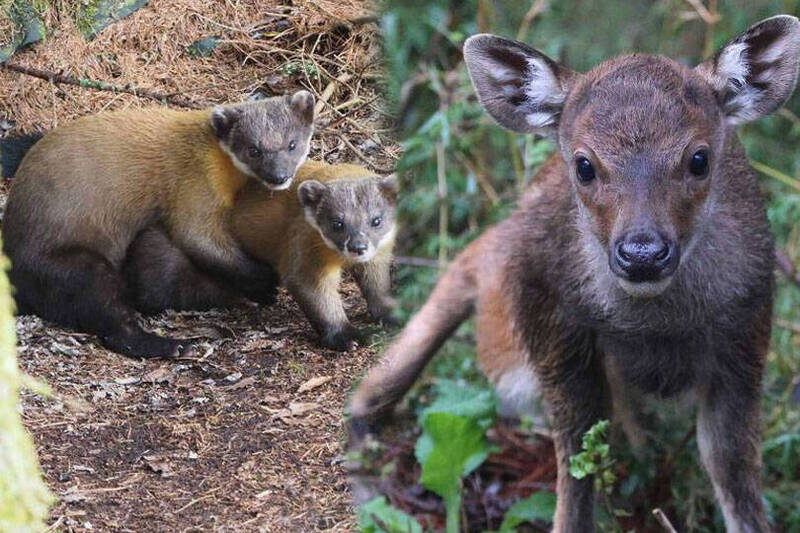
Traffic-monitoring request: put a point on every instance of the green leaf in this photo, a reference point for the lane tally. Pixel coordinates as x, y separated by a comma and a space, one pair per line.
379, 516
456, 445
96, 15
27, 18
202, 47
538, 506
464, 400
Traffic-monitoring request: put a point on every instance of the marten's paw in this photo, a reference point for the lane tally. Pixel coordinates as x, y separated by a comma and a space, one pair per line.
266, 294
147, 345
383, 312
343, 340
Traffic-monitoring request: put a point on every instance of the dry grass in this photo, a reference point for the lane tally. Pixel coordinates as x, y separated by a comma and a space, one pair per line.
264, 47
227, 441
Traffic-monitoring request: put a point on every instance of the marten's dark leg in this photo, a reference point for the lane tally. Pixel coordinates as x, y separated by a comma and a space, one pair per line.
79, 288
161, 276
375, 281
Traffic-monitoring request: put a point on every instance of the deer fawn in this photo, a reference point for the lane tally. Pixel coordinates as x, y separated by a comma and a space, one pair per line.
641, 255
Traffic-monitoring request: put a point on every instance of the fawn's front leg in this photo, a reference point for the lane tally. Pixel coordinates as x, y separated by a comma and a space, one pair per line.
729, 435
573, 389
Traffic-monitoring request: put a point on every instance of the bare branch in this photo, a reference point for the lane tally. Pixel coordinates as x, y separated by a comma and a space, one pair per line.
68, 79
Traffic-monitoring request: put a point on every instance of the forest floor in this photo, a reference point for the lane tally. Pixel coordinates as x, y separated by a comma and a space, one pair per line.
247, 435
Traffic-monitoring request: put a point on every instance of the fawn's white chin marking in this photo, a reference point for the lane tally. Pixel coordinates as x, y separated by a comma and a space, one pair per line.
645, 289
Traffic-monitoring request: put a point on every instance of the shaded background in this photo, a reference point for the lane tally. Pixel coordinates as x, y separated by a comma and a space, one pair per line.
462, 173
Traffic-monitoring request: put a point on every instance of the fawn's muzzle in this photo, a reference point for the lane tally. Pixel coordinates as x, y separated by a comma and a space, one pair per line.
644, 256
357, 247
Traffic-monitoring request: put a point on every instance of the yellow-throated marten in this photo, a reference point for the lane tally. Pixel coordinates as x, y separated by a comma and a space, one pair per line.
85, 190
333, 217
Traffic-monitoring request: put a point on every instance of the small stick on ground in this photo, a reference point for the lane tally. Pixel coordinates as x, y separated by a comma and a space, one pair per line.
68, 79
663, 520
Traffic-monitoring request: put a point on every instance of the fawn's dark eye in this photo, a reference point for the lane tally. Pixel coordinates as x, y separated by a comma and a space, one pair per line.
376, 221
337, 225
698, 165
585, 170
292, 146
253, 151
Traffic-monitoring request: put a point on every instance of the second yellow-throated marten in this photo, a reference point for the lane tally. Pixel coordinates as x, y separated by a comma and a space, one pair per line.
85, 190
333, 217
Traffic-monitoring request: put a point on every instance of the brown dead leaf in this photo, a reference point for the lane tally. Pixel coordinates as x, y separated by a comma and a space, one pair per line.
158, 375
313, 383
242, 383
159, 465
301, 408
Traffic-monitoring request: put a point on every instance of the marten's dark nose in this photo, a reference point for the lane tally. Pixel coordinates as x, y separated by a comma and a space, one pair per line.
282, 178
645, 256
357, 247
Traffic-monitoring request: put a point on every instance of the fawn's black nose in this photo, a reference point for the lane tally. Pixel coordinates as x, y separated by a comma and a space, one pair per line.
644, 256
357, 247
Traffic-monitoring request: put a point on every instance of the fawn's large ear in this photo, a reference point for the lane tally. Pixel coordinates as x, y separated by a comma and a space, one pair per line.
754, 74
521, 88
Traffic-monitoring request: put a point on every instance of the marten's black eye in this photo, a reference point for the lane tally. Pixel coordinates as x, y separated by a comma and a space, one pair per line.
585, 170
292, 146
376, 221
253, 151
337, 225
698, 165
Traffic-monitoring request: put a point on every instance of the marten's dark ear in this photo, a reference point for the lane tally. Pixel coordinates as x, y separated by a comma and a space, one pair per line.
302, 105
222, 119
310, 192
388, 187
755, 73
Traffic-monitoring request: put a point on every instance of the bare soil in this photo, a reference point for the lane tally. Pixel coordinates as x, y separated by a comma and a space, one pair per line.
247, 436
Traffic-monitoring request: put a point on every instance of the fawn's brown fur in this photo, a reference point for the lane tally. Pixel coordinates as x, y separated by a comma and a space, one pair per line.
641, 255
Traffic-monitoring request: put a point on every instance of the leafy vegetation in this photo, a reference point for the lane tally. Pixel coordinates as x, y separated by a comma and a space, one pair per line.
463, 174
26, 21
24, 498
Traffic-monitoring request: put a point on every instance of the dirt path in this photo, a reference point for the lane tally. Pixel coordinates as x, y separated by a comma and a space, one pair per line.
245, 437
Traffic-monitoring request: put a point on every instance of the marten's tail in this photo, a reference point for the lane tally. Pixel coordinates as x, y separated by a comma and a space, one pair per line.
451, 302
13, 149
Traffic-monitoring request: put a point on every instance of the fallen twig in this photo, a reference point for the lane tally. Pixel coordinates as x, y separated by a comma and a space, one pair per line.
663, 520
417, 261
362, 157
537, 7
776, 174
785, 324
68, 79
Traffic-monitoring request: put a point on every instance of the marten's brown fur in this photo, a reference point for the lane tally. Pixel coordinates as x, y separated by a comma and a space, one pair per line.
294, 233
584, 284
84, 191
334, 217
